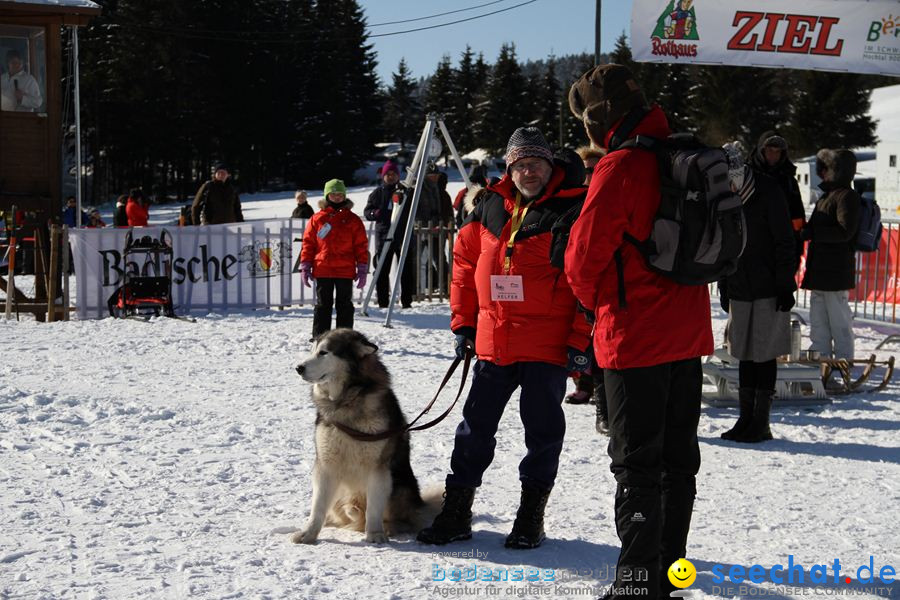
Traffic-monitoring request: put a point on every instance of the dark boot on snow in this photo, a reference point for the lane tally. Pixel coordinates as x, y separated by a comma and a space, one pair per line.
454, 522
758, 430
528, 529
746, 397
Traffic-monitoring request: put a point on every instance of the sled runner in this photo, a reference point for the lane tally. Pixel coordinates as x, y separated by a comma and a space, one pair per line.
146, 292
797, 383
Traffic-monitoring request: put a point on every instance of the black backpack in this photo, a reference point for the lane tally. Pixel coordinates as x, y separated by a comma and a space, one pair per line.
699, 231
868, 237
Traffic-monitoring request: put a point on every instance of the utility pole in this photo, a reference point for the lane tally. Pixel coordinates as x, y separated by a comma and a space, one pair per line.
597, 33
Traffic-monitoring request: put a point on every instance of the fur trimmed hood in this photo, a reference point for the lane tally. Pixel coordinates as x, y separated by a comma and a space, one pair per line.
472, 198
841, 163
323, 203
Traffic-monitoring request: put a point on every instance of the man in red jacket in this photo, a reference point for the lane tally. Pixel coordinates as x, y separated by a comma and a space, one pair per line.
649, 336
517, 312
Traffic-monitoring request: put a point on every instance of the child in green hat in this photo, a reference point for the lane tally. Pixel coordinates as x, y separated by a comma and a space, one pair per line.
335, 252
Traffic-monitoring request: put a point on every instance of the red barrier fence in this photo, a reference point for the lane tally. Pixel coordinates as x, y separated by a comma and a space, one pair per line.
877, 278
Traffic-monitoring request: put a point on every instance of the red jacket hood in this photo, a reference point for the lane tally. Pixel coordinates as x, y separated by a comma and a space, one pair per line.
654, 125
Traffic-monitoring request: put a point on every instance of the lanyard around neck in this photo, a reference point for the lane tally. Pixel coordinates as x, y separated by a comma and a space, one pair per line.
515, 224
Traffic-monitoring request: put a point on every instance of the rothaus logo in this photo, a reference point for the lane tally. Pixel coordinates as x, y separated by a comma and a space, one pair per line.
261, 259
675, 29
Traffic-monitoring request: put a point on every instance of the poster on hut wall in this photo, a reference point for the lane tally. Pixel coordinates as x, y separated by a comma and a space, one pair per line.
214, 267
857, 36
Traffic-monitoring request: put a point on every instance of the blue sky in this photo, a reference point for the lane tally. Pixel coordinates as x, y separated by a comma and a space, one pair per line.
538, 29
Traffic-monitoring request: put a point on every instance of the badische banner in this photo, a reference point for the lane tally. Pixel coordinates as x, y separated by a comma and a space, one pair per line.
214, 267
857, 36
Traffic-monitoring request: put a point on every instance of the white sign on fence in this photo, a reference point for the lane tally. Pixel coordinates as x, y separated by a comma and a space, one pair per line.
239, 265
857, 36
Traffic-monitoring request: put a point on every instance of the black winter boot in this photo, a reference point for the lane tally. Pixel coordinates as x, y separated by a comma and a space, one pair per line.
678, 493
454, 522
746, 398
638, 525
758, 430
528, 530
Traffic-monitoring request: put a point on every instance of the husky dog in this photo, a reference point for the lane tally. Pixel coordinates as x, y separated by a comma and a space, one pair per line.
358, 484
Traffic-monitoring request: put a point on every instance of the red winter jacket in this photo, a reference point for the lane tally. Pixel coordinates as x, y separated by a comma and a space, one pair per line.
335, 242
662, 321
542, 326
137, 213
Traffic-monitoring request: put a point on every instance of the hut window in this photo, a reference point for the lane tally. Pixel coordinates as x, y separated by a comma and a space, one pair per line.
23, 63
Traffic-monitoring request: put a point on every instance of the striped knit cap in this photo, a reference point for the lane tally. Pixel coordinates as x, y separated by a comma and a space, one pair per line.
525, 142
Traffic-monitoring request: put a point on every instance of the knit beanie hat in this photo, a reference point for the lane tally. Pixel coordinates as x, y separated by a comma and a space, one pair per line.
335, 186
389, 165
525, 142
602, 96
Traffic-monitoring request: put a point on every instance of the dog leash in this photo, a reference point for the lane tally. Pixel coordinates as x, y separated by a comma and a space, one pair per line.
374, 437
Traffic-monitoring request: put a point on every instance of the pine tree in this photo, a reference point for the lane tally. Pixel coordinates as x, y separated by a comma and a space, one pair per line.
505, 107
549, 105
403, 118
441, 90
729, 103
830, 111
468, 86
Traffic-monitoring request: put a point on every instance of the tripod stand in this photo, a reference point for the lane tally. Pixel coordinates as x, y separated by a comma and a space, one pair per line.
415, 178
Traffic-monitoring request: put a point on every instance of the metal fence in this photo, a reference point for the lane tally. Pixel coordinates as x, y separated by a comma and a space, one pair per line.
877, 273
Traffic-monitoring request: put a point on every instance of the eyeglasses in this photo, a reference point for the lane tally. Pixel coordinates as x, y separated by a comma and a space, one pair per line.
528, 165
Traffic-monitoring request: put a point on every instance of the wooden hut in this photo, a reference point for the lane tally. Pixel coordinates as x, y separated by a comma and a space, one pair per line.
31, 112
32, 104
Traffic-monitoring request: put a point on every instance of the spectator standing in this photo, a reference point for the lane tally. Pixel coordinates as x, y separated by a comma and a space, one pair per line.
303, 210
649, 333
831, 256
94, 220
758, 297
70, 214
380, 207
137, 209
335, 252
525, 338
217, 201
120, 217
771, 158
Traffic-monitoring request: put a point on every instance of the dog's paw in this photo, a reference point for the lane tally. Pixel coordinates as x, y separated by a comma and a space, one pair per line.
376, 537
305, 537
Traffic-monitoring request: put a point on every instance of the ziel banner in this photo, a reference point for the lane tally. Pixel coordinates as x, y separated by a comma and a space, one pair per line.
240, 265
858, 36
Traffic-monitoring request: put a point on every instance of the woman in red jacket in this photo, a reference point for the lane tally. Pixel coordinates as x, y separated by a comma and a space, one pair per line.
335, 252
138, 212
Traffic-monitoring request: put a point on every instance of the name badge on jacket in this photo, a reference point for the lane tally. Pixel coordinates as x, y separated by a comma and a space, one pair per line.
507, 288
326, 228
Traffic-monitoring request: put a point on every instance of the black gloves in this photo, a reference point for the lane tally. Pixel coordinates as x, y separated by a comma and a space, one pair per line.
784, 301
465, 342
578, 361
724, 302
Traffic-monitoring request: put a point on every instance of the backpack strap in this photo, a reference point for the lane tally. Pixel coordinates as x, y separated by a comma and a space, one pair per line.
629, 123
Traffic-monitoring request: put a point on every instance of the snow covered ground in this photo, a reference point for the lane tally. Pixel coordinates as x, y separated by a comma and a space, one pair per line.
164, 459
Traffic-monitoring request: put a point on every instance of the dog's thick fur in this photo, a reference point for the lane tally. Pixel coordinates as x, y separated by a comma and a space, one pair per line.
361, 485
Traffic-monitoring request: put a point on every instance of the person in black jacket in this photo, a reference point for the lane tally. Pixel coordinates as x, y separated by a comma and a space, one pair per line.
771, 158
303, 210
758, 297
831, 258
380, 208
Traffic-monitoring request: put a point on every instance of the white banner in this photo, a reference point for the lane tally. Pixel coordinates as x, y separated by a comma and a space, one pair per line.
857, 36
239, 265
